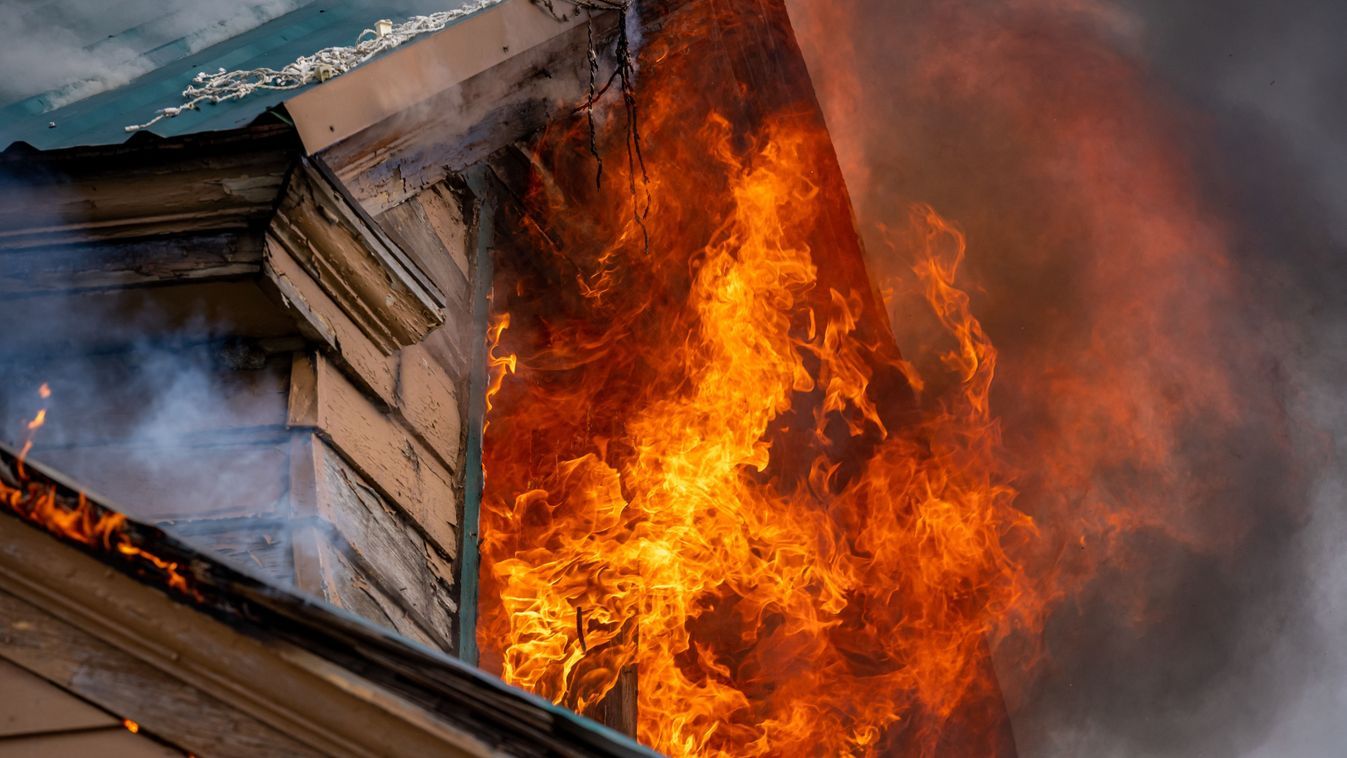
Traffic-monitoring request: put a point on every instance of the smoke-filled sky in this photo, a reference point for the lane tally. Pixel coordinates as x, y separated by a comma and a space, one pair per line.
1155, 198
1266, 83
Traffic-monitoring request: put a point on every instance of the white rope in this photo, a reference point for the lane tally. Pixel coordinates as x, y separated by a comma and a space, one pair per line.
224, 85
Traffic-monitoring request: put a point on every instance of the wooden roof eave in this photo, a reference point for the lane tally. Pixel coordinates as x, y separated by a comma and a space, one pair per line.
409, 119
246, 668
194, 672
412, 74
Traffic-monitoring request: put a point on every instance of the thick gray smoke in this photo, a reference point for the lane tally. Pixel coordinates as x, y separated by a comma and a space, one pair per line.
166, 420
1155, 197
1266, 80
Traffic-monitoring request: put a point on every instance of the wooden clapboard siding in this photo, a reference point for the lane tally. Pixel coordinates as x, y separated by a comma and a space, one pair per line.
110, 319
351, 259
433, 227
257, 544
430, 400
145, 188
169, 433
430, 228
174, 482
324, 322
189, 395
123, 263
381, 445
358, 550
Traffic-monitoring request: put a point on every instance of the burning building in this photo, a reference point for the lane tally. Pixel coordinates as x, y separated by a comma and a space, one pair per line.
543, 337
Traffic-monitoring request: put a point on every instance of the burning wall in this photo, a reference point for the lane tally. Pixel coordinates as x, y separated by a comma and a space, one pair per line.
710, 468
1158, 422
706, 459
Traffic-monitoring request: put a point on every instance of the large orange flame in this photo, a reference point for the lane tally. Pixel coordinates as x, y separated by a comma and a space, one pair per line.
705, 460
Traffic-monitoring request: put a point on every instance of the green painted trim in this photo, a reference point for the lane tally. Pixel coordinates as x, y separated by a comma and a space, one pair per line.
470, 554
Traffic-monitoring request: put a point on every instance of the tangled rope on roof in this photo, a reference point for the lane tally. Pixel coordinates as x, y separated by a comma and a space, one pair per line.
220, 86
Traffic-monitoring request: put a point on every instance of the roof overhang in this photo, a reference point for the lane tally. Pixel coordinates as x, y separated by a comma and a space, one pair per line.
227, 664
414, 73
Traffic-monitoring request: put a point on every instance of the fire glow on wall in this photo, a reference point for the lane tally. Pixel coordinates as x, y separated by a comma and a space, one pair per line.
708, 466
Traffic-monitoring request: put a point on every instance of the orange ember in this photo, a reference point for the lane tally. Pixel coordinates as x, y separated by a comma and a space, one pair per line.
85, 523
707, 460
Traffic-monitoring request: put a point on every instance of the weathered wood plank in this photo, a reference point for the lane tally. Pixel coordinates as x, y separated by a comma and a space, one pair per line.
394, 461
188, 395
350, 588
119, 683
400, 82
617, 709
445, 211
411, 227
437, 216
387, 561
260, 546
328, 324
104, 320
196, 183
374, 282
174, 482
32, 705
430, 399
407, 152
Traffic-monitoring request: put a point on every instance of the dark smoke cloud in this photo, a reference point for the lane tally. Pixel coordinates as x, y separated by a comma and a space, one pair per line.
1266, 126
1213, 627
1269, 78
